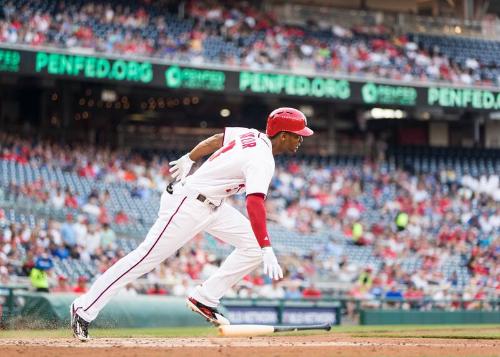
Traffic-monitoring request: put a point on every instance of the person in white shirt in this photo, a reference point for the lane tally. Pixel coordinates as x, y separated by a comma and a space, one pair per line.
81, 230
92, 207
181, 289
57, 198
242, 160
272, 291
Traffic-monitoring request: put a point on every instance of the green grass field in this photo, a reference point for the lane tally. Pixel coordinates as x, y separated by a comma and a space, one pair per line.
415, 331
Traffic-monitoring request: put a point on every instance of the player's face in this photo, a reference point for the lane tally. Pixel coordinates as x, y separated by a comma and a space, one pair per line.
293, 142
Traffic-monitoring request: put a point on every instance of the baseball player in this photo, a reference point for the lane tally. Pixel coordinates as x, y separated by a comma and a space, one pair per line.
241, 160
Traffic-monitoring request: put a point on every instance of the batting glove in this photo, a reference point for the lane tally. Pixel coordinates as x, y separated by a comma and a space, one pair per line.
180, 168
271, 266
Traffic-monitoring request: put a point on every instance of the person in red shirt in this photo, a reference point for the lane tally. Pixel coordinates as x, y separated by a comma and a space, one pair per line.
121, 218
157, 290
415, 297
311, 292
81, 286
62, 285
70, 200
103, 217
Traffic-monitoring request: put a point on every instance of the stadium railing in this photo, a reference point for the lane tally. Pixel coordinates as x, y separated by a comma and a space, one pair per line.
10, 306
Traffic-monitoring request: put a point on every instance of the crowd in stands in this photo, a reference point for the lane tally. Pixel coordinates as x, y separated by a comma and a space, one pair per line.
429, 235
235, 34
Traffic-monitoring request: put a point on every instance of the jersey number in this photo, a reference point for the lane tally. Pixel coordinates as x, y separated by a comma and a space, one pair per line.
222, 150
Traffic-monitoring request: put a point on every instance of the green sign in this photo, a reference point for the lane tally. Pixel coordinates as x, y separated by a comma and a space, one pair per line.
319, 87
463, 98
93, 67
174, 77
193, 78
388, 94
9, 61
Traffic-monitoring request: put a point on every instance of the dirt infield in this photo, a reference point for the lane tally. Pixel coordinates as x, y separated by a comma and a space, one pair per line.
316, 345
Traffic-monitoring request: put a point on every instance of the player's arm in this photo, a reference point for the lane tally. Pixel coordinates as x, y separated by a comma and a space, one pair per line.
258, 174
257, 215
180, 168
256, 210
207, 146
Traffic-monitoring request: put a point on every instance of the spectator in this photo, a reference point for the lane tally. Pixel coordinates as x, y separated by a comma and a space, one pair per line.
68, 233
62, 285
121, 218
181, 289
81, 286
70, 200
92, 240
29, 263
92, 207
311, 292
365, 279
156, 289
80, 228
272, 291
59, 251
393, 295
415, 297
292, 291
107, 237
39, 273
4, 278
129, 290
58, 198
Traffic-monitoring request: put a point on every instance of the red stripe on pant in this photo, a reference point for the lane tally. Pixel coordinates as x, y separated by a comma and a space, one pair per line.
136, 264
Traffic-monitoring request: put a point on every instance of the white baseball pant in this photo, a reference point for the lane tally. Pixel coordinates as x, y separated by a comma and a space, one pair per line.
181, 216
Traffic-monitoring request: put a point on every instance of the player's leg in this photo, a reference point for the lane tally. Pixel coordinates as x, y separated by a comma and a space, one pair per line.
233, 228
180, 218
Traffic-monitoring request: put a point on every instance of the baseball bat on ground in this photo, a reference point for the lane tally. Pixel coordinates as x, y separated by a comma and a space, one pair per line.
254, 330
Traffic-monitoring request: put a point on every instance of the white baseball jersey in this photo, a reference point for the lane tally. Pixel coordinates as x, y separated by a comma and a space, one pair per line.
244, 163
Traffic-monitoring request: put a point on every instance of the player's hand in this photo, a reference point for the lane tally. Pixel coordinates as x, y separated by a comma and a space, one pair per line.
181, 167
271, 266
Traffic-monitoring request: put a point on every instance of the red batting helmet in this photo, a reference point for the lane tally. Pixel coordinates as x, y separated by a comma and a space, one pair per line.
287, 119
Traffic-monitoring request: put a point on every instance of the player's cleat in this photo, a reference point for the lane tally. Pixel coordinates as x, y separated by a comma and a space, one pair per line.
79, 326
209, 313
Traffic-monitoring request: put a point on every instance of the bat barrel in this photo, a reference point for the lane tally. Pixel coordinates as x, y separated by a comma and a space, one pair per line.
245, 330
326, 327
